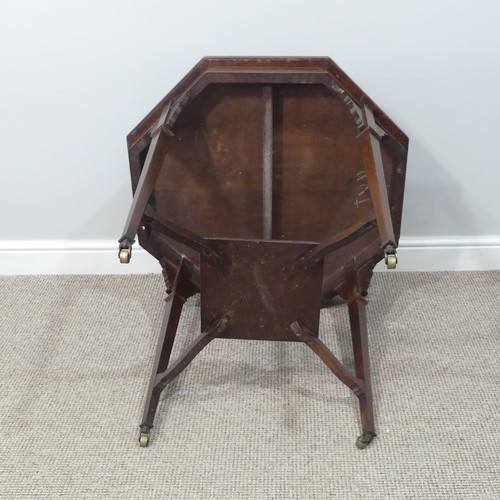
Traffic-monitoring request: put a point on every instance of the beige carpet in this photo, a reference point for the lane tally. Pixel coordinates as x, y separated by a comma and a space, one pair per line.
248, 420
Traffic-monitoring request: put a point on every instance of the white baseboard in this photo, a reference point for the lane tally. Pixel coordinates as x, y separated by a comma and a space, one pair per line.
71, 257
450, 253
101, 257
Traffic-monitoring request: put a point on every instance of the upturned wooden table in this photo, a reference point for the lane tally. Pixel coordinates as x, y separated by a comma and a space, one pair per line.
269, 186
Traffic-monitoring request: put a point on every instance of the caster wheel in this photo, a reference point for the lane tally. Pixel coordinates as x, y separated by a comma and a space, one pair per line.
364, 440
125, 255
391, 261
143, 439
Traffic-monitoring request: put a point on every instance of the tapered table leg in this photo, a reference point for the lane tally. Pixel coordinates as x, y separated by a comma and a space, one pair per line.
171, 316
360, 384
359, 332
161, 139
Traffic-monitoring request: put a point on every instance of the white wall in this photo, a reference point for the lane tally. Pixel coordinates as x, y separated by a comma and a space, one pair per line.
77, 76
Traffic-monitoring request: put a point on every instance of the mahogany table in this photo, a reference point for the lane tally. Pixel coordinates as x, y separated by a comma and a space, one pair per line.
269, 186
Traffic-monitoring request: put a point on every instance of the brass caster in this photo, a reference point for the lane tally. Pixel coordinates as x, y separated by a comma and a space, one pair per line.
125, 255
364, 440
391, 261
143, 439
144, 435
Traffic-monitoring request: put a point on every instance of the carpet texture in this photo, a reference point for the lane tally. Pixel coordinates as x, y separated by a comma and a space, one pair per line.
248, 420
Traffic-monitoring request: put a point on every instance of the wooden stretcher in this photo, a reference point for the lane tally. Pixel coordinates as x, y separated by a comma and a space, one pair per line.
269, 186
